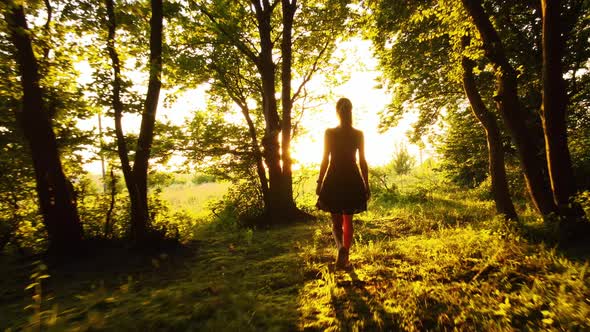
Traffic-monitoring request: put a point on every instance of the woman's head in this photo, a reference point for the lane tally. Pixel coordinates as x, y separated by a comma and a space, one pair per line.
344, 110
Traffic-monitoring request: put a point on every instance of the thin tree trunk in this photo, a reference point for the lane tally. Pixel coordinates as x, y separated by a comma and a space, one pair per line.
140, 224
258, 155
102, 161
496, 165
554, 106
512, 114
118, 113
289, 7
55, 193
242, 102
108, 224
47, 28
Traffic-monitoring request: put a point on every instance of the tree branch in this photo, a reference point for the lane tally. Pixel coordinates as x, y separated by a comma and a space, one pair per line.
310, 73
236, 42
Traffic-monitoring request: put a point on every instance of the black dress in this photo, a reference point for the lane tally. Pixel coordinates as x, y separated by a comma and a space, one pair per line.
343, 189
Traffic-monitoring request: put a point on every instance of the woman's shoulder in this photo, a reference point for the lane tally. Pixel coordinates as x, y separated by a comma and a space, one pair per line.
331, 130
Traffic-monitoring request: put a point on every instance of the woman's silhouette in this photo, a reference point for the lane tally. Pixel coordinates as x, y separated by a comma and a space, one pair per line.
342, 189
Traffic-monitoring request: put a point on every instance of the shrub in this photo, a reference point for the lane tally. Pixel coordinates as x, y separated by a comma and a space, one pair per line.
242, 204
203, 178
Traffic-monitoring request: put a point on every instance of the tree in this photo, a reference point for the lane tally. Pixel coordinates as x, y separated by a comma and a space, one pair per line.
553, 109
463, 150
248, 34
553, 114
509, 107
497, 169
414, 53
278, 200
289, 7
402, 161
55, 192
136, 176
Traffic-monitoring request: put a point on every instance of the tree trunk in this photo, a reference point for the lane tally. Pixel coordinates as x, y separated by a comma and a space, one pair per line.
497, 169
259, 161
136, 177
272, 152
122, 150
56, 196
289, 7
553, 111
139, 225
508, 105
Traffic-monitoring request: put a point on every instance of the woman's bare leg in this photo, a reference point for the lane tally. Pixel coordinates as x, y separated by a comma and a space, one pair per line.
347, 236
347, 228
337, 229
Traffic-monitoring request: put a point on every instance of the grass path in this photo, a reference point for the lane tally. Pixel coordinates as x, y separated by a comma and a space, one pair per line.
411, 272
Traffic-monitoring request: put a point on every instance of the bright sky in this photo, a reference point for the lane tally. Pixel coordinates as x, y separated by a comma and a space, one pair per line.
361, 89
367, 101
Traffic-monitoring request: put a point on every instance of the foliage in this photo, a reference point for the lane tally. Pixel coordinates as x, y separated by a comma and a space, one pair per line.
464, 156
389, 188
382, 184
402, 161
203, 178
304, 186
579, 143
583, 199
418, 44
241, 205
413, 49
217, 147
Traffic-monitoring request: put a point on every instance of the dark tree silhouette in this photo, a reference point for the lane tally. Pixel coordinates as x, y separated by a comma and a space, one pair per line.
55, 192
553, 112
136, 176
497, 169
509, 107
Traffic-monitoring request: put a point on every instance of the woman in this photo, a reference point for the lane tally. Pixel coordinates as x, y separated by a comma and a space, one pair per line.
342, 189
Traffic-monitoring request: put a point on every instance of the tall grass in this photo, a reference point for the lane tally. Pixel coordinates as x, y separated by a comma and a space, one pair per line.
193, 198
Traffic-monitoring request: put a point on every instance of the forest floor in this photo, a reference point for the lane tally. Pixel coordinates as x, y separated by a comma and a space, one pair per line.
439, 263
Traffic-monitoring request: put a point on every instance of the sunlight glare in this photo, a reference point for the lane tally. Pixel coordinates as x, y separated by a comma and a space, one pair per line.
367, 101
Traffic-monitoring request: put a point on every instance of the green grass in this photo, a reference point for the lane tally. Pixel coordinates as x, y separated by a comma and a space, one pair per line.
193, 198
439, 261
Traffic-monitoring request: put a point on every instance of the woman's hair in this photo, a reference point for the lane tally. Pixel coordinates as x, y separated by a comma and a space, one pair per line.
344, 110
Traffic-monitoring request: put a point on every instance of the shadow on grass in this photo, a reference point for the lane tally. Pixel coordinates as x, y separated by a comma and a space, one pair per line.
104, 267
573, 245
358, 310
227, 280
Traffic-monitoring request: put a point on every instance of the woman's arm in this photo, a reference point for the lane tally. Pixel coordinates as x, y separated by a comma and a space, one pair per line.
363, 164
324, 165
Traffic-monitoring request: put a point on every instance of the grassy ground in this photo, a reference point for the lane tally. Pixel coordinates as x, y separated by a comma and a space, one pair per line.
193, 198
434, 262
